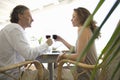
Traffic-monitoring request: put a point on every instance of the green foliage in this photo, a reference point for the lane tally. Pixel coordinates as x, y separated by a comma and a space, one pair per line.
111, 50
40, 40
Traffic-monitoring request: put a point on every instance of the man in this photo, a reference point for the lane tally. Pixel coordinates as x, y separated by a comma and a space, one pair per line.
14, 46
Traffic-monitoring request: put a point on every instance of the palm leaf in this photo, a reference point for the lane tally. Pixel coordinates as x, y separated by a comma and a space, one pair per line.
97, 32
116, 70
117, 31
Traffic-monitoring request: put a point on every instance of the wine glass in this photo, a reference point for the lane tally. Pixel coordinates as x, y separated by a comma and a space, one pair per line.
54, 36
48, 36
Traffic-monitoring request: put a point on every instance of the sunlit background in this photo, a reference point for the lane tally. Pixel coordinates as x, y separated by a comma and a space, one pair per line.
56, 19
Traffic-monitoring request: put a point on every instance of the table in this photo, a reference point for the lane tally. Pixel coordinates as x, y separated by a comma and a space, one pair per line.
50, 59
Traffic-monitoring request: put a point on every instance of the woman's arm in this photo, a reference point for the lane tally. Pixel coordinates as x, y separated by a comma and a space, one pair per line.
69, 46
81, 44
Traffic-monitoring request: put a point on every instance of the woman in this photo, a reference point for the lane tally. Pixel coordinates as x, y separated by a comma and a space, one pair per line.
78, 19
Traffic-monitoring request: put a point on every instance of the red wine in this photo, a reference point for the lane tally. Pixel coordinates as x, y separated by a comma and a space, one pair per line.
54, 36
48, 36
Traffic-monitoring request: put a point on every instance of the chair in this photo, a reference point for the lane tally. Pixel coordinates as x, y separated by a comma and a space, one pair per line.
28, 64
110, 65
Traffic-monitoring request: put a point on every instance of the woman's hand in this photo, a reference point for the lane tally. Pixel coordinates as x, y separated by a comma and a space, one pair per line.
60, 57
59, 38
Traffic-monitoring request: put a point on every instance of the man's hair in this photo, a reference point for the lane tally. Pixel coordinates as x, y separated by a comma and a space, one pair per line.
17, 10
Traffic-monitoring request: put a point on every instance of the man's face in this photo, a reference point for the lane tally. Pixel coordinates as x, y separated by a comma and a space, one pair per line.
26, 19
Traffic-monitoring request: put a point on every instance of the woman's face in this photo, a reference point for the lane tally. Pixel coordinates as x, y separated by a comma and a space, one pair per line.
75, 19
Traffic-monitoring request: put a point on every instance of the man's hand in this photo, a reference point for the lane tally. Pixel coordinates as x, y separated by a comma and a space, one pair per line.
49, 42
